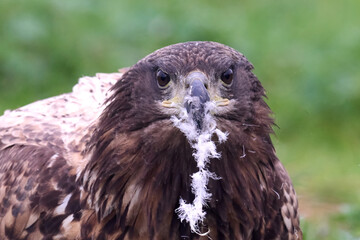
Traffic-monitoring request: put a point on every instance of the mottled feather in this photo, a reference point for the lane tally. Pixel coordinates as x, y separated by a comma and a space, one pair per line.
41, 148
106, 161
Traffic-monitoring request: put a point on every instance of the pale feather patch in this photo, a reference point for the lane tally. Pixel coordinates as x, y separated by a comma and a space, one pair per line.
204, 150
68, 118
66, 223
287, 220
61, 208
32, 219
109, 206
53, 160
134, 199
131, 196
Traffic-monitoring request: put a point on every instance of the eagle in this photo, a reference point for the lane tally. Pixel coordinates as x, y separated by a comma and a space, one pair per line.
175, 147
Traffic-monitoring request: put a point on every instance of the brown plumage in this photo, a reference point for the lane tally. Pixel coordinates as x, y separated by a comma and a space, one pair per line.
108, 161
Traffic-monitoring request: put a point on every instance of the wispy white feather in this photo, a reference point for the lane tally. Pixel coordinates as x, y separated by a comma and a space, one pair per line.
204, 150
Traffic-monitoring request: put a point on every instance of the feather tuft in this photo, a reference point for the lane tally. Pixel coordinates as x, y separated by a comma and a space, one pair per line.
204, 150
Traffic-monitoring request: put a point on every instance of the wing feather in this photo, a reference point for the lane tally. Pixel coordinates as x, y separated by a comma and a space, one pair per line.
40, 154
289, 207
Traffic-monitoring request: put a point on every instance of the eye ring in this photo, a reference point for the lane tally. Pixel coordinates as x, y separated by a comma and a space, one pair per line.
163, 79
227, 77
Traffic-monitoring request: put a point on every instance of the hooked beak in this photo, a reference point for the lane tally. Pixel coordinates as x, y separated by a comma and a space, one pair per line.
197, 97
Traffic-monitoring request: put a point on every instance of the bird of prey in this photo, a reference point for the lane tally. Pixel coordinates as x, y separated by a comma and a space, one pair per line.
175, 147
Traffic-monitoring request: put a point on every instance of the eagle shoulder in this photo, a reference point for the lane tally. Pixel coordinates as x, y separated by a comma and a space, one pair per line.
62, 123
38, 192
41, 148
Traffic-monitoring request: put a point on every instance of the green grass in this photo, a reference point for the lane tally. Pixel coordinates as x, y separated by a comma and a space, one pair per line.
306, 53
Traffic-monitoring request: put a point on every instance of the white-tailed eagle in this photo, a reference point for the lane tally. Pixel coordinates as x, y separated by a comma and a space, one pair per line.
176, 147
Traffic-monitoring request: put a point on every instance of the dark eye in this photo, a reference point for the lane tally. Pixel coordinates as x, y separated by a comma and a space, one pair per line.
227, 76
162, 78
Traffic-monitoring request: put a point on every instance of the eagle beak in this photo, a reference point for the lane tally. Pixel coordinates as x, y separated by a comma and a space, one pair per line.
197, 97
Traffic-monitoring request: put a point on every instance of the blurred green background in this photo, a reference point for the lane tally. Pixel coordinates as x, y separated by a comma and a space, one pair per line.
306, 53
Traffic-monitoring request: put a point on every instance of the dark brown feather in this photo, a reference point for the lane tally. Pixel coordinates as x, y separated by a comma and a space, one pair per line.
123, 176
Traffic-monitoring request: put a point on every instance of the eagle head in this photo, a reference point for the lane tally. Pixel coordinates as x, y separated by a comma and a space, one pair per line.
187, 77
183, 148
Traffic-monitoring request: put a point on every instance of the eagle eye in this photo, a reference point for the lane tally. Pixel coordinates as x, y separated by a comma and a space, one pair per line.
227, 76
162, 78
